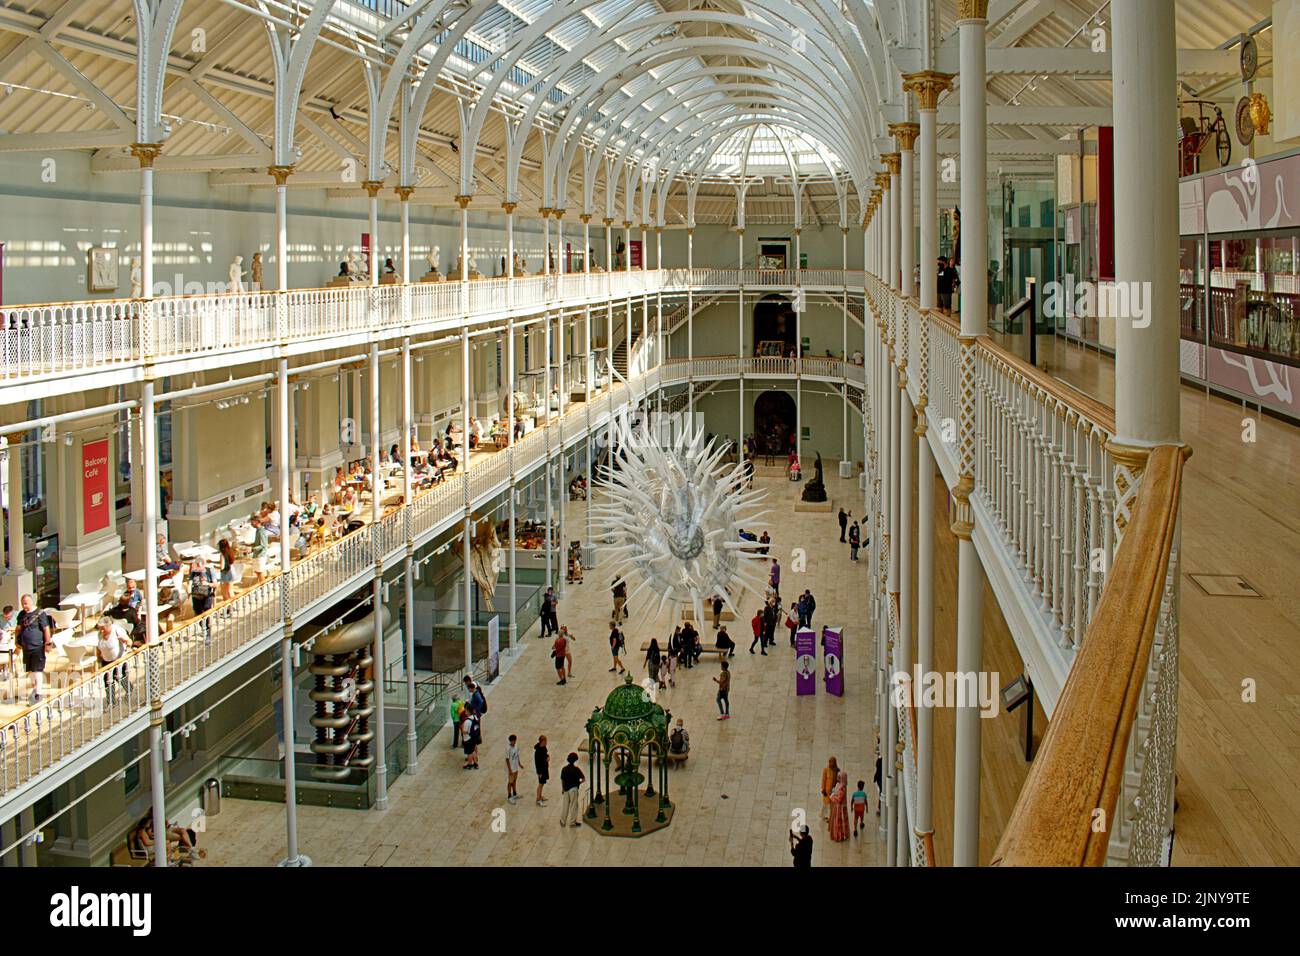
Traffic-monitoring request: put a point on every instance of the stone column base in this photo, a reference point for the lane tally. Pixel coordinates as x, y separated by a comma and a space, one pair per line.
88, 561
13, 585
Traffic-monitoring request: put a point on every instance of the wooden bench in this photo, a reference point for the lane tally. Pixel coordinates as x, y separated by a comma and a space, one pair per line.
704, 649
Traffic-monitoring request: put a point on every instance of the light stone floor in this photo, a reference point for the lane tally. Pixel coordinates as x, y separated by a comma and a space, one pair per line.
736, 798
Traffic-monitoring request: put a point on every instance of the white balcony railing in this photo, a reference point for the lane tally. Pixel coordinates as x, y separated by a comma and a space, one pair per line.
48, 342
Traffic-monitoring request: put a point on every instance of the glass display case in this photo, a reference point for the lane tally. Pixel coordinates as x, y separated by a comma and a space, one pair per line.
1191, 287
1254, 290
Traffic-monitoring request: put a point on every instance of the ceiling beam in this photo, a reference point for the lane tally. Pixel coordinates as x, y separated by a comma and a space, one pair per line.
1071, 116
1025, 17
91, 139
1015, 147
1076, 61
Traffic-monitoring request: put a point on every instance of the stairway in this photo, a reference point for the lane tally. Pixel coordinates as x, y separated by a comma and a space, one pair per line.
620, 352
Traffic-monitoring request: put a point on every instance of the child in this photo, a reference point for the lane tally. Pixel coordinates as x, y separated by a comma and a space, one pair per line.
859, 800
8, 627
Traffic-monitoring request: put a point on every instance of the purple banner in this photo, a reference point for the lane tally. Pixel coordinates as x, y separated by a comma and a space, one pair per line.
805, 662
833, 660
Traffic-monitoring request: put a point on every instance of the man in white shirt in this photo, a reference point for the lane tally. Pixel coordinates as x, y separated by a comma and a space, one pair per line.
513, 765
111, 646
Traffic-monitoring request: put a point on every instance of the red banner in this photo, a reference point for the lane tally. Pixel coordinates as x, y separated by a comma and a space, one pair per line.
94, 486
635, 246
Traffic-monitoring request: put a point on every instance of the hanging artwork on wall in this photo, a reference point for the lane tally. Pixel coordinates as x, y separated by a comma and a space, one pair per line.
101, 269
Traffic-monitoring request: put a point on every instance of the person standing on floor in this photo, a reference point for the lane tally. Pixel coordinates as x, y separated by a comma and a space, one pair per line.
830, 773
457, 715
774, 577
550, 619
792, 621
542, 764
765, 540
770, 614
812, 605
801, 847
802, 606
844, 523
571, 778
469, 738
560, 648
860, 802
34, 630
717, 610
513, 766
723, 680
568, 652
653, 658
839, 822
670, 660
616, 647
619, 591
854, 541
879, 782
756, 622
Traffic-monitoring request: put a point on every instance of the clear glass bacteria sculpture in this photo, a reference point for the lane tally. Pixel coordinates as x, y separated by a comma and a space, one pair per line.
671, 512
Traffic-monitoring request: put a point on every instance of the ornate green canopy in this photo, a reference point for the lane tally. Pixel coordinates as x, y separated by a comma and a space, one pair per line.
630, 725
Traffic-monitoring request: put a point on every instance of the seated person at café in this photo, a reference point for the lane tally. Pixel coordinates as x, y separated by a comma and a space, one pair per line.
519, 428
475, 432
125, 612
578, 489
133, 595
395, 454
164, 560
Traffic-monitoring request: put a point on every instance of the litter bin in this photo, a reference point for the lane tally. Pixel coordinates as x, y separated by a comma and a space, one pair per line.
211, 797
846, 469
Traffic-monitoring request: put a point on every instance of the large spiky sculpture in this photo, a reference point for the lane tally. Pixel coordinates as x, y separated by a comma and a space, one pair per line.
673, 512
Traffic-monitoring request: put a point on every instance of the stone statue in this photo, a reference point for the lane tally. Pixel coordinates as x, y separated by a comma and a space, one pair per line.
815, 490
256, 266
473, 268
137, 279
521, 268
356, 271
237, 275
486, 559
433, 275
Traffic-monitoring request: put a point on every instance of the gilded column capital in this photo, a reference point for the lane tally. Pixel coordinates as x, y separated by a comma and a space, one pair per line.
627, 223
905, 135
972, 10
146, 153
608, 222
280, 174
893, 161
585, 218
372, 187
509, 207
404, 192
545, 211
464, 201
927, 86
558, 213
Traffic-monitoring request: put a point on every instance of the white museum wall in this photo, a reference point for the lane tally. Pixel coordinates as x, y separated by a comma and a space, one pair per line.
715, 329
46, 228
822, 415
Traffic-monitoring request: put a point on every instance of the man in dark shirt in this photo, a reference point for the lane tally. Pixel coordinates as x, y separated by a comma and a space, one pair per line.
571, 778
35, 637
801, 847
542, 764
844, 524
944, 283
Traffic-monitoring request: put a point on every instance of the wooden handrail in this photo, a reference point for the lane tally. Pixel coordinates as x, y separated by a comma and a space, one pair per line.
1068, 395
1080, 767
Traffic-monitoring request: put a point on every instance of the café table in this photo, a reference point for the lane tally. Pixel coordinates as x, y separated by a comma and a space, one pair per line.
83, 602
205, 551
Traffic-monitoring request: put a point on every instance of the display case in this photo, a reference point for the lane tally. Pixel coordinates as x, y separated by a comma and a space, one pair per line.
1254, 290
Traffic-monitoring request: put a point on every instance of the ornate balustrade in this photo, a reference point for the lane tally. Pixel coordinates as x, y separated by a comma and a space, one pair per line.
1101, 789
45, 342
